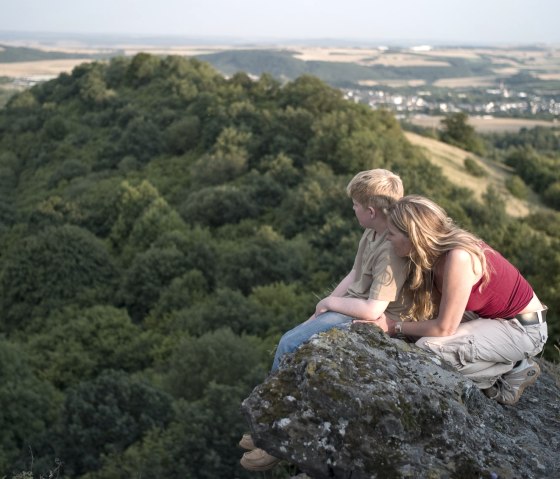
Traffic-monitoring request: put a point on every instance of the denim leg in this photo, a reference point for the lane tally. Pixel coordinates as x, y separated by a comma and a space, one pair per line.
301, 333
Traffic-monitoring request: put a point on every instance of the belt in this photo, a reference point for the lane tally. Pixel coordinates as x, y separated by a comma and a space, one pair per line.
528, 319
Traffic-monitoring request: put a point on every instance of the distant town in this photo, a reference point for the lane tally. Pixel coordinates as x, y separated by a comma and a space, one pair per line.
492, 101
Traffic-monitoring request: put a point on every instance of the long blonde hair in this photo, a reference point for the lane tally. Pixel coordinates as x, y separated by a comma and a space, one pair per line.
432, 234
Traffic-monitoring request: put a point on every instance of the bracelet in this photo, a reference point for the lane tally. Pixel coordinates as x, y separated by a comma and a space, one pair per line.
398, 328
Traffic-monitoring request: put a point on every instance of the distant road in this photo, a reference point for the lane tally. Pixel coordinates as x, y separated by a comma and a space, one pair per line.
485, 124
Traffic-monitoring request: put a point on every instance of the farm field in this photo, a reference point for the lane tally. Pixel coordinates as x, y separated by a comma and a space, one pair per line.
41, 68
485, 124
484, 66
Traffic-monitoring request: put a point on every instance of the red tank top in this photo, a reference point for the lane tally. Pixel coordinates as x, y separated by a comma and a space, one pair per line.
505, 295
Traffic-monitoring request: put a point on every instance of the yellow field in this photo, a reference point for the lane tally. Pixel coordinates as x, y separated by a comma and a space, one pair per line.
465, 82
485, 124
393, 83
347, 55
40, 68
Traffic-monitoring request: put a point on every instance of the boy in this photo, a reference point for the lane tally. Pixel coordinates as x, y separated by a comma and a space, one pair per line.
374, 285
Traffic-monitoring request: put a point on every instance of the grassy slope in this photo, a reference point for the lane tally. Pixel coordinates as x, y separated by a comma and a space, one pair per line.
451, 158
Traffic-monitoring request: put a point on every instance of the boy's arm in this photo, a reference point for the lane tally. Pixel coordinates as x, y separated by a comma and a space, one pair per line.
365, 309
388, 273
337, 292
342, 287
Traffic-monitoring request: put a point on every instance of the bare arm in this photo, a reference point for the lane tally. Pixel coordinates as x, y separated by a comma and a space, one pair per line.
365, 309
342, 287
458, 278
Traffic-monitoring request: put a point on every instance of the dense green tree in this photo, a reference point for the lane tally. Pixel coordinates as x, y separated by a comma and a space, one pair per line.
28, 408
54, 211
148, 275
536, 170
55, 128
278, 307
224, 307
540, 138
262, 259
106, 415
201, 443
289, 133
319, 195
182, 292
457, 131
218, 205
80, 343
93, 88
220, 357
228, 160
197, 246
59, 266
312, 94
183, 134
143, 216
97, 199
142, 69
67, 171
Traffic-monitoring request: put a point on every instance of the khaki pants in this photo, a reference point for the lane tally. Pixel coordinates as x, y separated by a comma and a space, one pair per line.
484, 349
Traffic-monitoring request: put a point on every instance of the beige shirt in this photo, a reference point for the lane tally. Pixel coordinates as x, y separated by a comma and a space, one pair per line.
380, 274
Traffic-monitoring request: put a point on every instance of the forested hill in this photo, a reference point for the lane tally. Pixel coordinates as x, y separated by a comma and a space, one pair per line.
9, 54
160, 227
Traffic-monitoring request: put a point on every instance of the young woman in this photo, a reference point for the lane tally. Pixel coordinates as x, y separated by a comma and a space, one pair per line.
471, 306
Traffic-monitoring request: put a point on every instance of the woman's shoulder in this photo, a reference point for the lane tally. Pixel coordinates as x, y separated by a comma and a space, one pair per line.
460, 255
462, 259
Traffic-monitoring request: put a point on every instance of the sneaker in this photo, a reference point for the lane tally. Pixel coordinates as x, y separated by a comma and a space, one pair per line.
509, 388
247, 442
258, 460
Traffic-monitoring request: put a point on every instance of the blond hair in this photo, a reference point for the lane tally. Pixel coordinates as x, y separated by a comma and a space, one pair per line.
432, 234
378, 188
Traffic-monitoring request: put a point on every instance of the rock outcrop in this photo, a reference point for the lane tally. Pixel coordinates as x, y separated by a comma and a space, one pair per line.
358, 404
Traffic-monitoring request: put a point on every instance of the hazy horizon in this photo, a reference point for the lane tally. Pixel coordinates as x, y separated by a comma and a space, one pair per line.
497, 22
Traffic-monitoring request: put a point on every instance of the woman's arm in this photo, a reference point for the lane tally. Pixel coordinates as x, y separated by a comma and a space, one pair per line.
457, 278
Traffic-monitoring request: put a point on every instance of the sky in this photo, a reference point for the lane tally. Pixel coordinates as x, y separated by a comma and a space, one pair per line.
430, 21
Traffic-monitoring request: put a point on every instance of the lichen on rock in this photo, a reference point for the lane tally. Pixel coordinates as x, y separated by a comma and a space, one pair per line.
362, 405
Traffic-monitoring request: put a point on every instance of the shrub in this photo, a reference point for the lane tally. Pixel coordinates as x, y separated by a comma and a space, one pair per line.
473, 168
517, 187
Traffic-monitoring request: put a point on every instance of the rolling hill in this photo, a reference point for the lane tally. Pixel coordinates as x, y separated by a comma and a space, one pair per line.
450, 159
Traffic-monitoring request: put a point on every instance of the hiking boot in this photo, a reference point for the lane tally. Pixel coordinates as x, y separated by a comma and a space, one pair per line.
247, 442
258, 460
509, 388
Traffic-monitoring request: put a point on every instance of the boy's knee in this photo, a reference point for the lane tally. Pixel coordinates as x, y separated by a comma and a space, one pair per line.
287, 343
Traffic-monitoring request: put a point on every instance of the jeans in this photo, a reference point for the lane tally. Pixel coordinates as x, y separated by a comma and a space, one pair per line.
303, 332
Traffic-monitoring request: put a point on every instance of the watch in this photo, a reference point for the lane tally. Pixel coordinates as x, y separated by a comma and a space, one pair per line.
398, 327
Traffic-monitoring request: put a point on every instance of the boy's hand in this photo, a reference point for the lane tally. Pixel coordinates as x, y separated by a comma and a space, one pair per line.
321, 307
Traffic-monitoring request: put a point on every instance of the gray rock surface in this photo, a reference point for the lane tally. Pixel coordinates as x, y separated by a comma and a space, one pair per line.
358, 404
